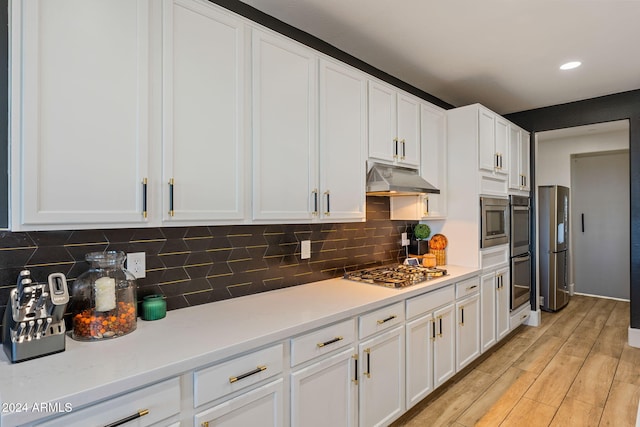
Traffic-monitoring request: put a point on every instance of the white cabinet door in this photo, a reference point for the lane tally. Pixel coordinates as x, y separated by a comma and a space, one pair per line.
503, 284
383, 141
260, 407
381, 378
420, 338
488, 288
486, 139
515, 177
284, 128
433, 159
343, 139
524, 159
408, 133
468, 330
325, 393
80, 149
519, 159
444, 353
203, 142
502, 146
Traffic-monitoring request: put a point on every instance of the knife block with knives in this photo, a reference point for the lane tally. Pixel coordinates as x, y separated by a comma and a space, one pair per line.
33, 323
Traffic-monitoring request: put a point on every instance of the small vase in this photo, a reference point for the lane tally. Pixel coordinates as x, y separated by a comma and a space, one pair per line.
419, 247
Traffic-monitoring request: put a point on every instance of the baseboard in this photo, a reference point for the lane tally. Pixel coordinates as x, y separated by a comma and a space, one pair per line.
602, 296
534, 318
572, 289
634, 337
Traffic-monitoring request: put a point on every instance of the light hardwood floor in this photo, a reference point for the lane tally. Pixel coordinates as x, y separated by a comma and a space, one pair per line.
576, 369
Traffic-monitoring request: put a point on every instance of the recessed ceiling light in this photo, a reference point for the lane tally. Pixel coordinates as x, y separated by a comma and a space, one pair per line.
570, 65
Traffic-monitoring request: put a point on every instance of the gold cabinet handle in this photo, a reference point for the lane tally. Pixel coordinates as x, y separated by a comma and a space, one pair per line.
462, 315
135, 416
355, 359
433, 329
171, 185
323, 344
472, 287
328, 210
144, 197
404, 149
368, 372
393, 316
247, 374
395, 148
315, 202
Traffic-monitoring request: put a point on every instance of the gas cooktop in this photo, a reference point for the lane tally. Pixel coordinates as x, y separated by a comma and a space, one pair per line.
396, 275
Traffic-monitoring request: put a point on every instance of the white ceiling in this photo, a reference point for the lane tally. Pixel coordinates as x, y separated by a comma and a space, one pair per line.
504, 54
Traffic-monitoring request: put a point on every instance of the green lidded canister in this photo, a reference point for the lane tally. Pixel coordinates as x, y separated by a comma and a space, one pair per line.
154, 307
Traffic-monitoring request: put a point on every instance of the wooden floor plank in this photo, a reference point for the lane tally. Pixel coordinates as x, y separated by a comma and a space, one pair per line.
498, 401
552, 384
580, 343
530, 413
622, 405
500, 360
541, 352
594, 380
629, 366
619, 315
611, 341
574, 413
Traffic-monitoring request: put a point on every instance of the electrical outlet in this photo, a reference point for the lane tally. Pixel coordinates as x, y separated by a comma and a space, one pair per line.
405, 241
305, 249
136, 264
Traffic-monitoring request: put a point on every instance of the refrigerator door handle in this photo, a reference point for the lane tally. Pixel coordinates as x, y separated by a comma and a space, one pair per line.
582, 219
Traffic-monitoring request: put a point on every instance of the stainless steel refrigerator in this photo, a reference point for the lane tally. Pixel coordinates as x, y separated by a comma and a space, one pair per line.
553, 244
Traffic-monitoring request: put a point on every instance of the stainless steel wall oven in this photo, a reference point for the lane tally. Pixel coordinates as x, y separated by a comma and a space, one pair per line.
520, 248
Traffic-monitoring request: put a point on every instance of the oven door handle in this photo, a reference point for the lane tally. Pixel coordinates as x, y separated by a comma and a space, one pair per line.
522, 258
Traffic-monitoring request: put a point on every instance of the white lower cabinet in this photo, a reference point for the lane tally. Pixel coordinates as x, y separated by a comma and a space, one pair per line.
149, 405
325, 393
260, 407
488, 292
468, 330
381, 378
430, 343
503, 285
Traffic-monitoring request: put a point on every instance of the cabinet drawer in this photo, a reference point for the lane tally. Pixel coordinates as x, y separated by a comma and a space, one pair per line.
161, 400
429, 301
467, 287
381, 319
322, 341
494, 257
219, 380
519, 316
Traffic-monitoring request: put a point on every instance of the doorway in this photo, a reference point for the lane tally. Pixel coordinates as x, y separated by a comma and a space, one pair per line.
600, 230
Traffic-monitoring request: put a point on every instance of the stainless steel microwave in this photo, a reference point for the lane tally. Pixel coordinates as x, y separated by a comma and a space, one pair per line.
494, 221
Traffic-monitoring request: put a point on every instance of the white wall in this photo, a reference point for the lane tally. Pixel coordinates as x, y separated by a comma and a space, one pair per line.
554, 154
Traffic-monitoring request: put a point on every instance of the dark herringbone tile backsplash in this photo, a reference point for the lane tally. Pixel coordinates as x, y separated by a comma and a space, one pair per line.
197, 265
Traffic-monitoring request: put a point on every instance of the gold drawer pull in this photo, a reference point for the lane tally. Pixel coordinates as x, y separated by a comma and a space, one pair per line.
137, 415
472, 287
393, 316
336, 339
247, 374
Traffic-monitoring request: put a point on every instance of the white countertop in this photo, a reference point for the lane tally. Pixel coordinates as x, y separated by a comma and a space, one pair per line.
189, 338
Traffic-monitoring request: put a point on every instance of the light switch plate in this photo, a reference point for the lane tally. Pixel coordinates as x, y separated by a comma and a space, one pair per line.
405, 241
305, 247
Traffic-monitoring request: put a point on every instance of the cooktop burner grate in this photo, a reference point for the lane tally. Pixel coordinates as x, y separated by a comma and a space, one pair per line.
395, 276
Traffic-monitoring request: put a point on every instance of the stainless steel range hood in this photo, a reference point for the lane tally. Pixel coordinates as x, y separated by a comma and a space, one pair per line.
385, 180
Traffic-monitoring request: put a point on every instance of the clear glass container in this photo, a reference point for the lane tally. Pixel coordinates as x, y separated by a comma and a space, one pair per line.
103, 299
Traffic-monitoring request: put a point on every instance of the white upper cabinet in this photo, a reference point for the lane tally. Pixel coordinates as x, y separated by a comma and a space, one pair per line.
203, 90
343, 138
394, 126
284, 128
433, 168
518, 159
79, 122
493, 142
433, 165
